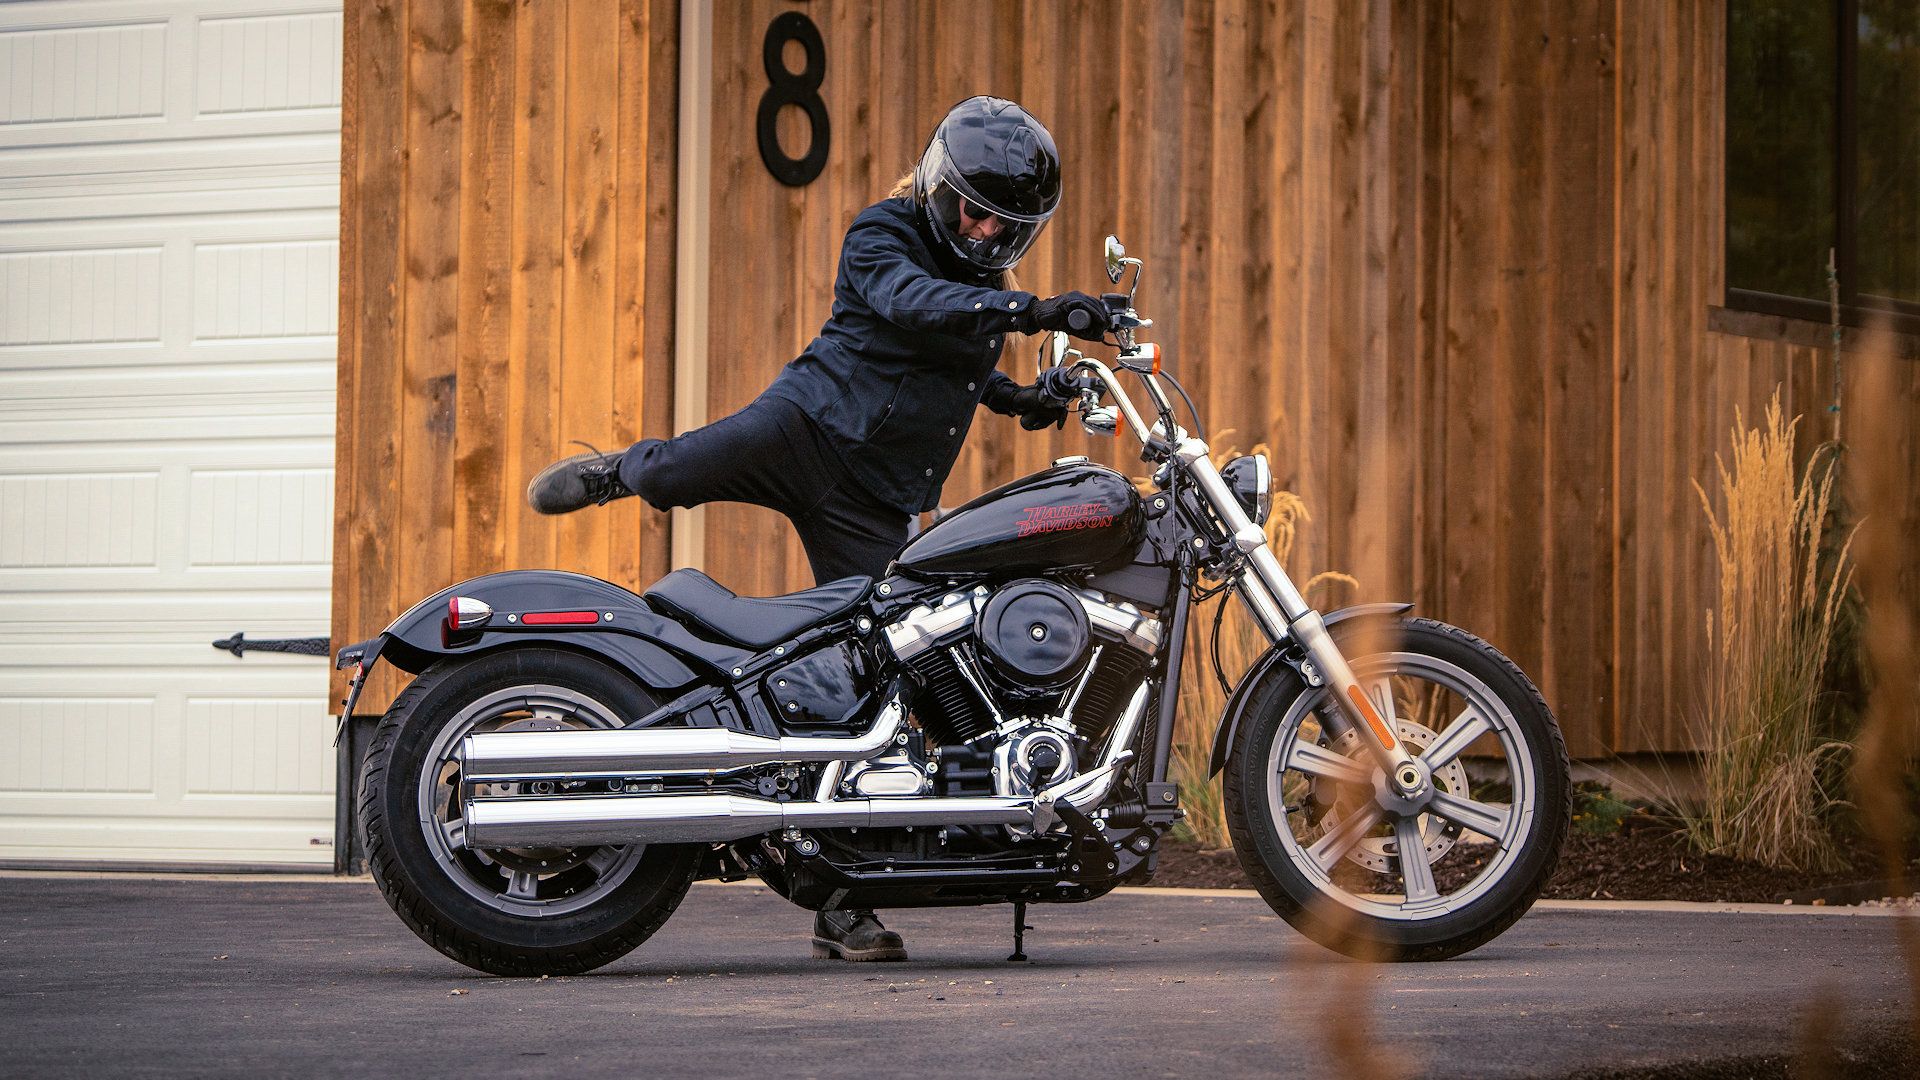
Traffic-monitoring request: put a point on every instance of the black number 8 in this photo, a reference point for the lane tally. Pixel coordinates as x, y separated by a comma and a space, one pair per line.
789, 88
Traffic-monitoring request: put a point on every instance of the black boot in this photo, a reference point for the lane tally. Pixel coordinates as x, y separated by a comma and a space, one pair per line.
590, 479
854, 935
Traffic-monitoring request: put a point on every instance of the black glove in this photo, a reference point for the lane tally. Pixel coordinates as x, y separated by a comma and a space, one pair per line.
1032, 404
1061, 384
1044, 416
1074, 312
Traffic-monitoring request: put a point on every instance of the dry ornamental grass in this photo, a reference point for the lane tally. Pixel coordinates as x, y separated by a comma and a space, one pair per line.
1764, 721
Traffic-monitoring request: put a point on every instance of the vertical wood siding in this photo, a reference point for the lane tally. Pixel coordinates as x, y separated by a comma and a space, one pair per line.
506, 287
1453, 263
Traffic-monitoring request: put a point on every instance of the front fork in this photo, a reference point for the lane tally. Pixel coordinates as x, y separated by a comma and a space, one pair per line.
1283, 614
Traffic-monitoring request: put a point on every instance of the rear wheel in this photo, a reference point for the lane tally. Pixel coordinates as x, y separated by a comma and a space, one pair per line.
537, 911
1348, 863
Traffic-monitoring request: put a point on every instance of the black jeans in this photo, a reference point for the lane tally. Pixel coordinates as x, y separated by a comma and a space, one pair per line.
771, 455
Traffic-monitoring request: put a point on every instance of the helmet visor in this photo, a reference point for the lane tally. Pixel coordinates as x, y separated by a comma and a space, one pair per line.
988, 237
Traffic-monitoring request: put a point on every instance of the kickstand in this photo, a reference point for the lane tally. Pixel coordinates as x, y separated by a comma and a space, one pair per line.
1020, 929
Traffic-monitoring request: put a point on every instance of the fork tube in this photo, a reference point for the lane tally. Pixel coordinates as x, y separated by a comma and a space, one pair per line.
1284, 613
1169, 705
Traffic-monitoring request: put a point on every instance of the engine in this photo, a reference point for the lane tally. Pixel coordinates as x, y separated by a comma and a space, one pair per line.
1021, 685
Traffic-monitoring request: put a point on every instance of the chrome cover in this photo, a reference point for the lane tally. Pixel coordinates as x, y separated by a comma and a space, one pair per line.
926, 627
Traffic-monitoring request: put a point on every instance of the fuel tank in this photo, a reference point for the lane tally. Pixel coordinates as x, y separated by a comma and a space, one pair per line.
1075, 515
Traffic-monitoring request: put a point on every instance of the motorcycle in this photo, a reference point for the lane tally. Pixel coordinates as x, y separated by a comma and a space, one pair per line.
990, 722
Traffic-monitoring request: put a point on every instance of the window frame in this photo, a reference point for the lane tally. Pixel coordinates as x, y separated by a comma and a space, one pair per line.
1855, 309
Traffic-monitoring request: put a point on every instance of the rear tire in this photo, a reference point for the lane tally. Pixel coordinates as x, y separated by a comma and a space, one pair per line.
1339, 888
504, 913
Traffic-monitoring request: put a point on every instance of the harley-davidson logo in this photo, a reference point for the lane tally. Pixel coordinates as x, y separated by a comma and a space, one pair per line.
1046, 519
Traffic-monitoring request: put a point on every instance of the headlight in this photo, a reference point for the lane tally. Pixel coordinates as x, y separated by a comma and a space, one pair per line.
1252, 484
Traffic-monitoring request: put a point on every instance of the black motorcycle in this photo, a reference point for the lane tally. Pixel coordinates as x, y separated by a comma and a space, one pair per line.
991, 722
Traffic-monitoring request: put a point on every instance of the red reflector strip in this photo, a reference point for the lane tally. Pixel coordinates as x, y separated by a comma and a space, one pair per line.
558, 618
1371, 716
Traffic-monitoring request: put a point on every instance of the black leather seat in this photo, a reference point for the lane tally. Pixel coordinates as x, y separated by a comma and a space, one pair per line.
756, 622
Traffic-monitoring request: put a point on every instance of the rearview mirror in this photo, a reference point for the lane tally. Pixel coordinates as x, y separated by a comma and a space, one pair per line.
1116, 259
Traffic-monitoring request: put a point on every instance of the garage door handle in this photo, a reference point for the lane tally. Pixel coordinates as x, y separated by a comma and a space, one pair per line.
305, 646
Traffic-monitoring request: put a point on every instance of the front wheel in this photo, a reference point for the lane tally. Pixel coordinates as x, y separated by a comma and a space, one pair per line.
537, 911
1353, 867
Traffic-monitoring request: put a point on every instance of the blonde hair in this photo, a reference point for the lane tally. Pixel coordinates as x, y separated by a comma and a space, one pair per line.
903, 189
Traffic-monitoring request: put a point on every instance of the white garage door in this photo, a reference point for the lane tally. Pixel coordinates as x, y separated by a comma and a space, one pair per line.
169, 192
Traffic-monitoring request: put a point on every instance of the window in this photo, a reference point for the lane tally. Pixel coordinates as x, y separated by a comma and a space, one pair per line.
1823, 154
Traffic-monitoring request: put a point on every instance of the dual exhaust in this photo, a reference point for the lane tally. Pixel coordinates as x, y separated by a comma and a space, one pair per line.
526, 821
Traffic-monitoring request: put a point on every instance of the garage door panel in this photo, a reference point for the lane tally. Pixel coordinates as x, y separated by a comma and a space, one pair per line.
107, 295
38, 435
177, 527
190, 291
168, 268
258, 746
112, 72
56, 75
76, 744
73, 520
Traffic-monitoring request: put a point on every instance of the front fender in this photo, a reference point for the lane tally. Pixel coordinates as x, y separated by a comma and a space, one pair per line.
661, 652
1271, 665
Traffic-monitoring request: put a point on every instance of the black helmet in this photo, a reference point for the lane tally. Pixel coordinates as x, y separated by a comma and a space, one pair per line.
988, 159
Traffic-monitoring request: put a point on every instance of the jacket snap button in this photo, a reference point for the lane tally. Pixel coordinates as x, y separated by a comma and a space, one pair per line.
929, 472
953, 431
1011, 304
970, 386
976, 307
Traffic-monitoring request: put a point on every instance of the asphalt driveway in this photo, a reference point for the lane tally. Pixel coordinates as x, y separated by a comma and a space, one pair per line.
128, 976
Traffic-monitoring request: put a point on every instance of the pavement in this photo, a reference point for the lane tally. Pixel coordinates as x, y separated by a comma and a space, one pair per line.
142, 976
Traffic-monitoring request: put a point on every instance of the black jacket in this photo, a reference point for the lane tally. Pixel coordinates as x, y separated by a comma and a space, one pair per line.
909, 351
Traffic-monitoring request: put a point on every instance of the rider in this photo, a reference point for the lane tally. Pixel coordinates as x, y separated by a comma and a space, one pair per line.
857, 434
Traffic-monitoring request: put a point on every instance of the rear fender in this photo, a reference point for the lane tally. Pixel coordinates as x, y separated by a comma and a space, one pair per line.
1272, 665
658, 651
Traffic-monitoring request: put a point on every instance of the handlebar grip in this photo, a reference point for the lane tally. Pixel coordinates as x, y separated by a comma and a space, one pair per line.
1078, 319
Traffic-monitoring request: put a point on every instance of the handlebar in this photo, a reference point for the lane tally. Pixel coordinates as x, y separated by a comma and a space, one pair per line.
1111, 383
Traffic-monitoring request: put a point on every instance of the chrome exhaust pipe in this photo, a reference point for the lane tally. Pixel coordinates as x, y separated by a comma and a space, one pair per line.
580, 820
603, 753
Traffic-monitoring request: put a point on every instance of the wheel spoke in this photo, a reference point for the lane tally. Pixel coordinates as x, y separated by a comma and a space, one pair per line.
1465, 728
1322, 762
456, 831
1413, 859
522, 885
1487, 820
603, 860
1329, 849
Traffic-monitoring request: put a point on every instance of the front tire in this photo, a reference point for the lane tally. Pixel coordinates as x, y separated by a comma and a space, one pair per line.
1325, 844
509, 912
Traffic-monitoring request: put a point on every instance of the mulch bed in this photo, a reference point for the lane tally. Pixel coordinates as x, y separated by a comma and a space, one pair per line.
1637, 864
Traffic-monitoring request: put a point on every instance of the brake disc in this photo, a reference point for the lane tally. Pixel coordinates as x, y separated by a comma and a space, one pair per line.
542, 862
1377, 853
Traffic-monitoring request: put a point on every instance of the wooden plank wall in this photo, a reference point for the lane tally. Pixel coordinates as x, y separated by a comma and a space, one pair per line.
1376, 238
1453, 262
1680, 376
508, 178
